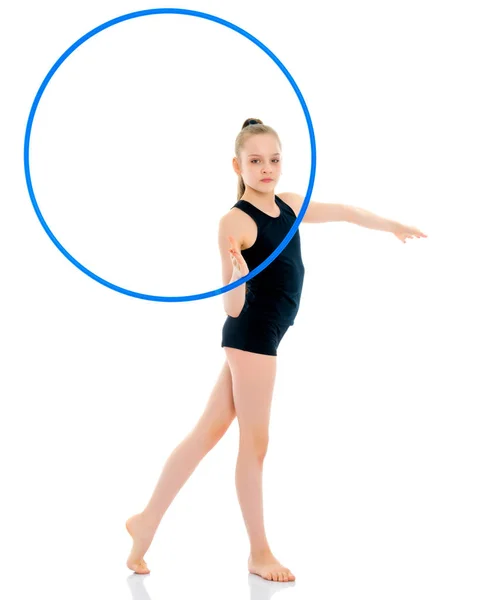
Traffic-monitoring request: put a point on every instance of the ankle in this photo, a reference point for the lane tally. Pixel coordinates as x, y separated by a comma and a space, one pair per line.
263, 552
151, 521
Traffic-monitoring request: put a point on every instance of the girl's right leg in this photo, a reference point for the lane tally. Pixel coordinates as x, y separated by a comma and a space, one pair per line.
212, 425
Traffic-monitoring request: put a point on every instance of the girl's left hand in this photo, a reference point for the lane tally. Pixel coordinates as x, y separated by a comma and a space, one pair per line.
402, 232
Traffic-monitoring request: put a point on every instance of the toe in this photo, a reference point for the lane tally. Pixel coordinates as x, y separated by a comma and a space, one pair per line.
141, 568
269, 576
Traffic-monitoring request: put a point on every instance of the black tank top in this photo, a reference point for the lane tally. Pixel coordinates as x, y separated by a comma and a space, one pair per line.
274, 293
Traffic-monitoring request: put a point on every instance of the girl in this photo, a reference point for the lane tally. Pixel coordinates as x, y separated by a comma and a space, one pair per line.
259, 314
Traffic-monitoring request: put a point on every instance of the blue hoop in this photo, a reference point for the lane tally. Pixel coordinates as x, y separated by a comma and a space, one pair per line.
134, 15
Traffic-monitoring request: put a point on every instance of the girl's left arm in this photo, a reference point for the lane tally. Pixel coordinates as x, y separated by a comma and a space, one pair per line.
320, 212
365, 218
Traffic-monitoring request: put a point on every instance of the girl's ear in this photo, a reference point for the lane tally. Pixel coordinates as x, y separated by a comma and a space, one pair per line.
236, 166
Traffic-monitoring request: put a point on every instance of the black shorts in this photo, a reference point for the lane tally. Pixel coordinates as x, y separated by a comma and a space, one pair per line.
253, 332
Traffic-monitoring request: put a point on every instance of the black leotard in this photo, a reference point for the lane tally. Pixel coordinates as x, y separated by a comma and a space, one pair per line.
273, 296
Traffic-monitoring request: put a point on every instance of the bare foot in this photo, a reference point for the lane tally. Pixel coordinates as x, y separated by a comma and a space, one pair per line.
142, 534
267, 567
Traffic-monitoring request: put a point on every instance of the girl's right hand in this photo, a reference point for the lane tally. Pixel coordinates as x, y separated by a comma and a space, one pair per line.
240, 268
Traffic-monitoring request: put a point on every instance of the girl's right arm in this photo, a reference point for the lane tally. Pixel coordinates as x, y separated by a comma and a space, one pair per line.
233, 264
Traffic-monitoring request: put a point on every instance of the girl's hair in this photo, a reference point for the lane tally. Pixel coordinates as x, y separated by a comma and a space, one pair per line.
250, 128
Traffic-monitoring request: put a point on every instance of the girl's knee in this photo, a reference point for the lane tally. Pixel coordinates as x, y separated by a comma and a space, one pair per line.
210, 434
256, 443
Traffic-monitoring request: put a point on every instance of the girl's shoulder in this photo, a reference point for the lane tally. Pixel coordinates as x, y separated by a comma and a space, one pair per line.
240, 225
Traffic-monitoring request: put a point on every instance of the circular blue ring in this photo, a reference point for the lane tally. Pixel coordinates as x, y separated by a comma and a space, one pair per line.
134, 15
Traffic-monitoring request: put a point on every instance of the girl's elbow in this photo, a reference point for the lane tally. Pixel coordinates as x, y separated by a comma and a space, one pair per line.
233, 311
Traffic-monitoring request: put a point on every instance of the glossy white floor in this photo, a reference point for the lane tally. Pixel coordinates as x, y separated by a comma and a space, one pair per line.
370, 480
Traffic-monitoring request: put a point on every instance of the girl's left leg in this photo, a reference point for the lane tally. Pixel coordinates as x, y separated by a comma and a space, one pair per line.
253, 381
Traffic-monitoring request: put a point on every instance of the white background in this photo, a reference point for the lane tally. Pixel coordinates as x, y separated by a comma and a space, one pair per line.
370, 481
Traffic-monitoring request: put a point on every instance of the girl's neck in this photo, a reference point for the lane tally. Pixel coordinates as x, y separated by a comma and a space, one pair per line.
265, 201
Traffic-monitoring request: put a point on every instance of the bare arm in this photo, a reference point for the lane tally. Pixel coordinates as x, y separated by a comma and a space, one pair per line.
234, 299
322, 212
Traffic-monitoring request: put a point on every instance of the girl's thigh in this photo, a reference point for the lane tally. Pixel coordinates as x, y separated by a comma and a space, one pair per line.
220, 410
253, 377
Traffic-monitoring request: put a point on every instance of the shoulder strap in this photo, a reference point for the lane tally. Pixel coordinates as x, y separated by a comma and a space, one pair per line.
285, 206
257, 215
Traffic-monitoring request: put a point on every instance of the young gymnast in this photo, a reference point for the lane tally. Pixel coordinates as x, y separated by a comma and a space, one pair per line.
260, 312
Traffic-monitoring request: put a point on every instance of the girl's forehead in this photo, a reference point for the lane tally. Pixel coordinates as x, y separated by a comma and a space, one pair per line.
261, 144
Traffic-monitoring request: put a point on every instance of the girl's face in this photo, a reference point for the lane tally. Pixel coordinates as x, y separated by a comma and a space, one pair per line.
260, 160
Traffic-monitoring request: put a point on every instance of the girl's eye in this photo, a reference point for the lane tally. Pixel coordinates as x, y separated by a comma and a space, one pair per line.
254, 159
